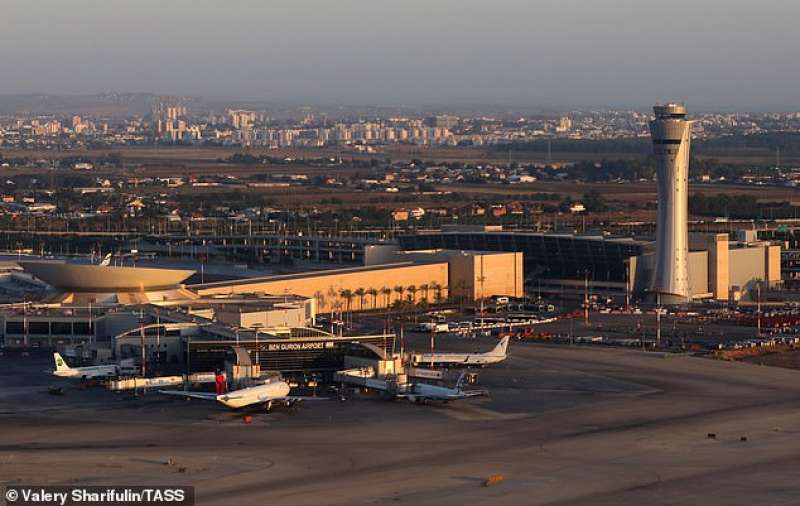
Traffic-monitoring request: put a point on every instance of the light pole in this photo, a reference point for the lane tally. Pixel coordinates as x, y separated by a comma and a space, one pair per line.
255, 328
142, 342
758, 305
433, 344
658, 319
571, 329
188, 360
627, 286
586, 298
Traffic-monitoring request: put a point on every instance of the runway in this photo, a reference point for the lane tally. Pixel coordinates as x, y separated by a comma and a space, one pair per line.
563, 426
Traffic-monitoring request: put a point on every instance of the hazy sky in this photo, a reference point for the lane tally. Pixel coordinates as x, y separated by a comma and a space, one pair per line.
714, 54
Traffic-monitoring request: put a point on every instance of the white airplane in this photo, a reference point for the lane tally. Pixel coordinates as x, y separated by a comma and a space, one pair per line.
266, 393
96, 371
496, 355
423, 392
106, 261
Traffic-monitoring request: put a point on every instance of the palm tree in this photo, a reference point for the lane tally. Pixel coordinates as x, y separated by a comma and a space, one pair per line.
320, 297
347, 295
333, 296
437, 292
332, 293
360, 293
336, 307
372, 292
412, 298
412, 293
462, 288
425, 288
399, 290
387, 292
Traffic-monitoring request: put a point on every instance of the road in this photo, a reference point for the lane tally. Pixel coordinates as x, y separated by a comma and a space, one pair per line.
564, 425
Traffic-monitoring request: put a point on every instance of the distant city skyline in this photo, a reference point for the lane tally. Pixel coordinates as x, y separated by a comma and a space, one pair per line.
556, 55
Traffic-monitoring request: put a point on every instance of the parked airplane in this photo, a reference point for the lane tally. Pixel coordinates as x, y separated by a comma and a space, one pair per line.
96, 371
266, 393
496, 355
423, 392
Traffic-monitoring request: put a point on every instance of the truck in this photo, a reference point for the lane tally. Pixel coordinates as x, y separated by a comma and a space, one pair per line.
435, 327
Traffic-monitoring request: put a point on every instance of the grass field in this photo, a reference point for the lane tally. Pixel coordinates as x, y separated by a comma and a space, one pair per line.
205, 155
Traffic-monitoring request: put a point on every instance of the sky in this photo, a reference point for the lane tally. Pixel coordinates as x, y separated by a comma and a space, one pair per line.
712, 54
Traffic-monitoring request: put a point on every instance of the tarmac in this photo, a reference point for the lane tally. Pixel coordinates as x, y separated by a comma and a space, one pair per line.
563, 425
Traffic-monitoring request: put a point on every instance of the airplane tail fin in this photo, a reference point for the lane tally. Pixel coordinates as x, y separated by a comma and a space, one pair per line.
61, 365
502, 347
461, 379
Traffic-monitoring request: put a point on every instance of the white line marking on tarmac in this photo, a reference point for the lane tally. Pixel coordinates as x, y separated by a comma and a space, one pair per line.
473, 413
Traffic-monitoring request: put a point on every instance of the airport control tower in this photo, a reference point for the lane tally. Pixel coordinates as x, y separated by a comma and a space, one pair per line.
671, 133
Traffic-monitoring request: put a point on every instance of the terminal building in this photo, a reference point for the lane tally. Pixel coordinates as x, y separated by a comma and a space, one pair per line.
545, 256
119, 311
84, 284
392, 276
720, 267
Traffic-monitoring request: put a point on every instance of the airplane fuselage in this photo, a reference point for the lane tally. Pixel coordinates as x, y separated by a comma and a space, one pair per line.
434, 392
254, 395
496, 355
466, 359
100, 371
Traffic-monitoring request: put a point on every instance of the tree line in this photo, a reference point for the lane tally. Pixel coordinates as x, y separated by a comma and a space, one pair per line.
788, 142
740, 206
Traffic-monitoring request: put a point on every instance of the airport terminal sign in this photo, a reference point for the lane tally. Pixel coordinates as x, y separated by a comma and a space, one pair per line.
311, 345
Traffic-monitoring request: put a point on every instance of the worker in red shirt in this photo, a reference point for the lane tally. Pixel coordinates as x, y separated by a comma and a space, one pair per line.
219, 382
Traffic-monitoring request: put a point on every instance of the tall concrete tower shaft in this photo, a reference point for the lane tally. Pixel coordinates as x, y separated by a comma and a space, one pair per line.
671, 133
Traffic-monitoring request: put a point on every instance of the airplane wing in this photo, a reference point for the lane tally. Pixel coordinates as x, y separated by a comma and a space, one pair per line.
207, 396
475, 393
264, 399
298, 398
407, 396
